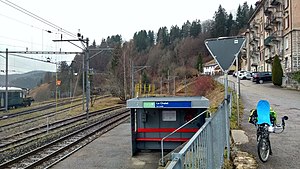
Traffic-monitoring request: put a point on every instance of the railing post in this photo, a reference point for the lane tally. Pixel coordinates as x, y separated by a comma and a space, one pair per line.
209, 162
178, 158
226, 115
162, 152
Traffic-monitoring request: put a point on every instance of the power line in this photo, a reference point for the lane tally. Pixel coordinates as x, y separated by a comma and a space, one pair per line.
22, 41
1, 44
15, 6
32, 26
16, 20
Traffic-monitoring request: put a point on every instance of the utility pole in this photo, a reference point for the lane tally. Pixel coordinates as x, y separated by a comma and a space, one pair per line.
83, 82
6, 81
85, 44
161, 88
132, 80
88, 85
174, 83
168, 82
125, 86
185, 85
174, 86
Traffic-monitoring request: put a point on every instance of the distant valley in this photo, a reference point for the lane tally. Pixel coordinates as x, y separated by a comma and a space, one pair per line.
27, 80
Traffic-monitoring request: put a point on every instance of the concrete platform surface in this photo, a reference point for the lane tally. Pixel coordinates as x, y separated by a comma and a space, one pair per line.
111, 150
239, 137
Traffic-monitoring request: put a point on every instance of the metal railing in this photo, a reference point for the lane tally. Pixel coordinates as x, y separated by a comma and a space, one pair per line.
162, 140
205, 150
231, 84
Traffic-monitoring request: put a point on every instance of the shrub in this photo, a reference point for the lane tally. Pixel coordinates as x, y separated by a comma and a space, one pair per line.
296, 76
277, 72
203, 85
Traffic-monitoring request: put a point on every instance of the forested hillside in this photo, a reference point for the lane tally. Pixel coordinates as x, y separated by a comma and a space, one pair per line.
178, 51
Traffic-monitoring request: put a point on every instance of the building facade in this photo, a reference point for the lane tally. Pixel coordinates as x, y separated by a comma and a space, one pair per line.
274, 29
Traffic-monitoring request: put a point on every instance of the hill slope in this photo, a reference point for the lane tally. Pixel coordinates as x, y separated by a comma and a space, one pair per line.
26, 80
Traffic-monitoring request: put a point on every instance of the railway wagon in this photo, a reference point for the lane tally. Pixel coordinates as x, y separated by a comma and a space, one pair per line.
16, 97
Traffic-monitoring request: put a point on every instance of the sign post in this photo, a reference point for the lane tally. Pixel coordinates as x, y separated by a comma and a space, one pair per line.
225, 50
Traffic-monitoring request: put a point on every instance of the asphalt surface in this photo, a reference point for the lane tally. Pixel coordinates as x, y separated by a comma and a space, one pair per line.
285, 146
112, 150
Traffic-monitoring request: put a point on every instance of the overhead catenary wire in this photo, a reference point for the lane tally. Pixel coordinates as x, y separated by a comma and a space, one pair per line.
22, 41
16, 20
15, 6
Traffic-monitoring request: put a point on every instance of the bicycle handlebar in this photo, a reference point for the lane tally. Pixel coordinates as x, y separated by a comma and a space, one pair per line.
281, 126
283, 120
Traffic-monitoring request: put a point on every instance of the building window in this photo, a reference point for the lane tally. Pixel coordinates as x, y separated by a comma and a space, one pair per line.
286, 43
286, 22
286, 4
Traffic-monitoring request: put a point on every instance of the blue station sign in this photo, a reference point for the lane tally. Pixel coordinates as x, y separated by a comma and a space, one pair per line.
168, 104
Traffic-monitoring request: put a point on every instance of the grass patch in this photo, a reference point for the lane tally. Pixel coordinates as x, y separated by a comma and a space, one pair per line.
234, 114
216, 97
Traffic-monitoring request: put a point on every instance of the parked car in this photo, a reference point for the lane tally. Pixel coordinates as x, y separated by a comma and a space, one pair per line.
235, 74
245, 75
261, 77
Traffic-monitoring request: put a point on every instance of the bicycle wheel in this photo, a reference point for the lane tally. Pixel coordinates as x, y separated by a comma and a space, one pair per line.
263, 149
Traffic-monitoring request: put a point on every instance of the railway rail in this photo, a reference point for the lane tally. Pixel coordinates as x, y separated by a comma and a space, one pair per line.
33, 110
39, 117
51, 153
24, 139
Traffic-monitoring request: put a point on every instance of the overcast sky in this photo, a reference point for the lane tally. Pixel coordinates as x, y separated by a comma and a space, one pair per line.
96, 20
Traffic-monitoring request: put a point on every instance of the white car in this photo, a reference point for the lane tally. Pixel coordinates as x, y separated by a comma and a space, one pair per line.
244, 75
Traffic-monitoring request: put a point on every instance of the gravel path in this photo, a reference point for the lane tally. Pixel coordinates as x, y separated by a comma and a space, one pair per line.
285, 146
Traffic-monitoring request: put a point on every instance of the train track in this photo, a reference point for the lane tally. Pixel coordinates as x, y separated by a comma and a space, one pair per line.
39, 117
33, 110
36, 118
53, 152
34, 134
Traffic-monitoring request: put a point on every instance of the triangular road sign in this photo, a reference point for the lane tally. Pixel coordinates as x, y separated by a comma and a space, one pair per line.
225, 49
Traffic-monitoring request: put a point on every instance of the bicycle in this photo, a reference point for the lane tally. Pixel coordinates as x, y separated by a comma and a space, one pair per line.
263, 140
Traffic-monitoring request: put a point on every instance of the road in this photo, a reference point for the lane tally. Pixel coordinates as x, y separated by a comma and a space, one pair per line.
285, 146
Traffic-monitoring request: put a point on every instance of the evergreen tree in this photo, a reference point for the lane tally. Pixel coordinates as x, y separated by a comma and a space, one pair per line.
239, 18
185, 29
141, 40
163, 36
195, 29
151, 38
94, 43
114, 40
116, 59
174, 33
199, 64
243, 15
219, 28
277, 71
229, 25
251, 11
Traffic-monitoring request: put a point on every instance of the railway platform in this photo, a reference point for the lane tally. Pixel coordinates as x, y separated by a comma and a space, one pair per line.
111, 150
